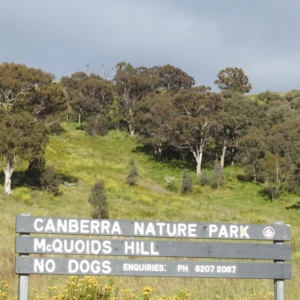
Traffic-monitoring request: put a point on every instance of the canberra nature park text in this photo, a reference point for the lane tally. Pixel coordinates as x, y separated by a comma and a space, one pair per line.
139, 228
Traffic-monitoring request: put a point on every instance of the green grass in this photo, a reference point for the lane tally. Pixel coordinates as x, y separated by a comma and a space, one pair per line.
83, 159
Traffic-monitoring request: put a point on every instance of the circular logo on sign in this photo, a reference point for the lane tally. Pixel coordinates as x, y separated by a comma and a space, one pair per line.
269, 232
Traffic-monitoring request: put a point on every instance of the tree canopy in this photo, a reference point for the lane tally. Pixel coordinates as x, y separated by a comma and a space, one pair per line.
89, 94
167, 114
22, 138
135, 83
17, 82
233, 79
31, 103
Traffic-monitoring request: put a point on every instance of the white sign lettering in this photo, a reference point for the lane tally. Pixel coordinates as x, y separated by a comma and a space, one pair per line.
134, 247
44, 265
86, 266
172, 229
144, 267
77, 226
231, 231
73, 245
182, 268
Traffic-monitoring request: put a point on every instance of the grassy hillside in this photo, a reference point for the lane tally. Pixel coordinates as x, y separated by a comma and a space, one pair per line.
84, 159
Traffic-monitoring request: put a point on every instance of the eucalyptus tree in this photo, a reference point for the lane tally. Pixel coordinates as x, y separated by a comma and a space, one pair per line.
269, 97
275, 167
274, 171
47, 104
294, 178
151, 113
286, 141
22, 139
252, 150
17, 82
132, 85
192, 126
31, 103
279, 112
170, 77
269, 152
233, 79
88, 94
293, 97
232, 123
32, 90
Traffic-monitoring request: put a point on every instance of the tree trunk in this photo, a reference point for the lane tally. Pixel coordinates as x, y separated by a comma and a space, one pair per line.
222, 162
198, 156
232, 155
79, 119
254, 173
157, 151
199, 164
131, 129
8, 170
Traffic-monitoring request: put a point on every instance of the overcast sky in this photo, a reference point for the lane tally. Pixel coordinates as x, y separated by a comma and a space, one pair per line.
202, 37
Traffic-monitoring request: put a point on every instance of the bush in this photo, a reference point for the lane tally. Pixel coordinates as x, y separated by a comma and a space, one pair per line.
187, 183
133, 174
204, 179
97, 125
50, 181
293, 180
98, 201
170, 183
217, 179
273, 190
46, 179
35, 170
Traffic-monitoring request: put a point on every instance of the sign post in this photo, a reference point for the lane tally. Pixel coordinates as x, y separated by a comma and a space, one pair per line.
23, 290
100, 254
279, 283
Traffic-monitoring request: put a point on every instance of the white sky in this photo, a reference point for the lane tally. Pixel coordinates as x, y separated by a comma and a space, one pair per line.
200, 37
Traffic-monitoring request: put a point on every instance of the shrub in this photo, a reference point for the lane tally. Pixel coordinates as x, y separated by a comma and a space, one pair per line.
187, 183
41, 177
273, 190
217, 179
35, 170
97, 125
133, 174
293, 180
170, 183
50, 181
98, 201
204, 179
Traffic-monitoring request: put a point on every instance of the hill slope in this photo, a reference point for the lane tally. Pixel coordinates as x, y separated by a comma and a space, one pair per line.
83, 160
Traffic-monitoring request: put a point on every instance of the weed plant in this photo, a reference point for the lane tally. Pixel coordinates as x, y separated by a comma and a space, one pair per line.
109, 288
101, 288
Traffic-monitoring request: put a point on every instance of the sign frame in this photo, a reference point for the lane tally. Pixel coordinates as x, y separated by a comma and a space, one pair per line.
153, 239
